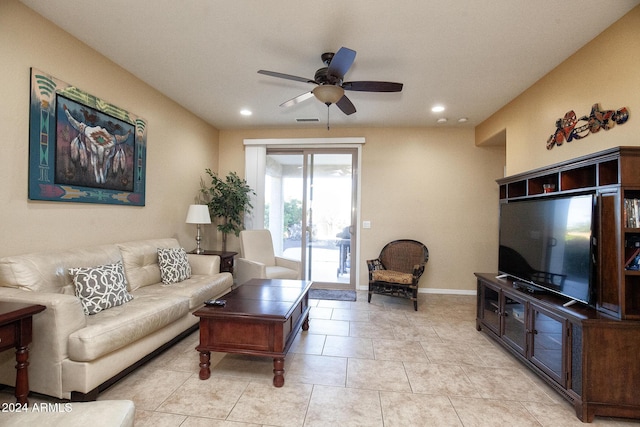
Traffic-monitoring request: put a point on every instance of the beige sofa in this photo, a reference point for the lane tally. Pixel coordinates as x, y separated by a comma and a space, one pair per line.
72, 353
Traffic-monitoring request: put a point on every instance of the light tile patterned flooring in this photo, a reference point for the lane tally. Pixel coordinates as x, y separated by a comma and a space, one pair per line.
360, 364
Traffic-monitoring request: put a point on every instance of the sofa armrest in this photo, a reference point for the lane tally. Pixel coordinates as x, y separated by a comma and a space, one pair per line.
418, 269
64, 311
374, 265
51, 329
291, 264
204, 264
246, 269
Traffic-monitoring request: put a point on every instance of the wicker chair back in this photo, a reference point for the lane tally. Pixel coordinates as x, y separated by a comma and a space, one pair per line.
403, 255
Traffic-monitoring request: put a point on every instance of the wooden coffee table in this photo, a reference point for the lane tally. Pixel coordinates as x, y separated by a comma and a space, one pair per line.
260, 318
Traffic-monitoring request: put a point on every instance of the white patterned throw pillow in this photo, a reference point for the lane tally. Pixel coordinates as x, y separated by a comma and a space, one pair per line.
174, 265
101, 287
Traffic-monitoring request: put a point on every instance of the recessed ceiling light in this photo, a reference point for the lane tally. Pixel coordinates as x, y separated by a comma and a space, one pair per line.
437, 109
463, 120
246, 112
442, 120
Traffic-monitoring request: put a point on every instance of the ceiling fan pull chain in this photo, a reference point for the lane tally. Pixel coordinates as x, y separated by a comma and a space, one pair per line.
328, 128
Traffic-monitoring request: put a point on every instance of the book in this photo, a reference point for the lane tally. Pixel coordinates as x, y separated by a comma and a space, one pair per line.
631, 213
631, 259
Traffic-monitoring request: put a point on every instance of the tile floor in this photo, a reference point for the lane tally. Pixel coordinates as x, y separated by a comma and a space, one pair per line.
360, 364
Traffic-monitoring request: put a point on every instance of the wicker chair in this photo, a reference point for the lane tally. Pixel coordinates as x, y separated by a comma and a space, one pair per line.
397, 270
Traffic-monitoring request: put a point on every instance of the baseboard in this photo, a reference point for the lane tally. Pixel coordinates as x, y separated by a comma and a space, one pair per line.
436, 291
447, 291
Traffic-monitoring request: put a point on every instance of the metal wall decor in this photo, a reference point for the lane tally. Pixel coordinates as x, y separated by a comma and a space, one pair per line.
567, 128
83, 149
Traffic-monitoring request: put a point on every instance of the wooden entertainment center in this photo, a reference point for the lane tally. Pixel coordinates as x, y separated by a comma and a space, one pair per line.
590, 355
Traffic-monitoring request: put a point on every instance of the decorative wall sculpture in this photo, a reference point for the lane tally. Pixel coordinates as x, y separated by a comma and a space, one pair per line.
567, 128
83, 149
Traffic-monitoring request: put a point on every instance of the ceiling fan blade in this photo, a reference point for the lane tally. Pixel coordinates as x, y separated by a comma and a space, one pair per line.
286, 76
346, 105
367, 86
298, 99
341, 62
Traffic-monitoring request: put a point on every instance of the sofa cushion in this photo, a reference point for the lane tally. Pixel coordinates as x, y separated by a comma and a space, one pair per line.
101, 287
257, 245
117, 327
140, 260
198, 288
49, 271
174, 265
277, 272
391, 276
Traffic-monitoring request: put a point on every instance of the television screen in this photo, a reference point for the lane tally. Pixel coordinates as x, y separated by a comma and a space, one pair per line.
547, 243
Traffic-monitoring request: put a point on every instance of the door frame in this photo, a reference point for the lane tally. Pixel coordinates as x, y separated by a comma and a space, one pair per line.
255, 168
307, 156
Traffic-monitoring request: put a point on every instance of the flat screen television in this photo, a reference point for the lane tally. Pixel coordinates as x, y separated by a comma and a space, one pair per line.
546, 243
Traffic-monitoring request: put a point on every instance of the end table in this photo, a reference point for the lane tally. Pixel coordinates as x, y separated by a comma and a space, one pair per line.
16, 320
226, 259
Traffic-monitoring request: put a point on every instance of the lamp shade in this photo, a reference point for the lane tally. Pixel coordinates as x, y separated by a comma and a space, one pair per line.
329, 94
198, 214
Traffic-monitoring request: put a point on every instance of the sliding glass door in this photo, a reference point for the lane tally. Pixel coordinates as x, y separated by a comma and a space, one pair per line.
310, 210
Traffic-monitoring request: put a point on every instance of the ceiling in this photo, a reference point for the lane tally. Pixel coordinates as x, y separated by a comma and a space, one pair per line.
471, 56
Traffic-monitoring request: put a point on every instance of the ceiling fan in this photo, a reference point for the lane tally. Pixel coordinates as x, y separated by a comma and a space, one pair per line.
330, 84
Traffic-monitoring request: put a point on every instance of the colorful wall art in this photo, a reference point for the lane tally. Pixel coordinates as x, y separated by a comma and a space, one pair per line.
83, 149
569, 128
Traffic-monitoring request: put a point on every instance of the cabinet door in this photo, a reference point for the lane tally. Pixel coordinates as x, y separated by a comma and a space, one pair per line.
490, 307
609, 255
548, 338
514, 314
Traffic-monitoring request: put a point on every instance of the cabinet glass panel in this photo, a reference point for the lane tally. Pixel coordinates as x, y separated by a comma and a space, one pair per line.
514, 324
547, 339
491, 308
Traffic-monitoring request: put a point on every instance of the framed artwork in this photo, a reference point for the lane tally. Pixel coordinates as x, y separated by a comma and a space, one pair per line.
83, 149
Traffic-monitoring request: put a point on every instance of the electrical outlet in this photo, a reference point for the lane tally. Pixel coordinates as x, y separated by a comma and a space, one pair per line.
366, 224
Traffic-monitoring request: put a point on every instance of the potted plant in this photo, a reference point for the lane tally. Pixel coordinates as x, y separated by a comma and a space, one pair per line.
228, 199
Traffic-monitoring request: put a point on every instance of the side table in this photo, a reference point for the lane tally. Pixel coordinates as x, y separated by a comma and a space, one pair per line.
226, 259
16, 321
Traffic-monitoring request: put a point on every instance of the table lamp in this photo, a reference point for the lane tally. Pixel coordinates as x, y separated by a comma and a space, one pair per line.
198, 214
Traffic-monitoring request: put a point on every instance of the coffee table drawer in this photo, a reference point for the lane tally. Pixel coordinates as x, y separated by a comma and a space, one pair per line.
295, 316
246, 335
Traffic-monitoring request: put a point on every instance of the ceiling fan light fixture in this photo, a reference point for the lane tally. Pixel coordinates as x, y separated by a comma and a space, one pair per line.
328, 94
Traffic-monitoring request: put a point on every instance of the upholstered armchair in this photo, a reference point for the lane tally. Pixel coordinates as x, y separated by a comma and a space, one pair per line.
397, 270
257, 259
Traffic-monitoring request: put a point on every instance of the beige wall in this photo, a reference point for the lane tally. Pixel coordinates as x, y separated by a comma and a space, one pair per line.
605, 71
427, 184
437, 185
433, 185
180, 146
